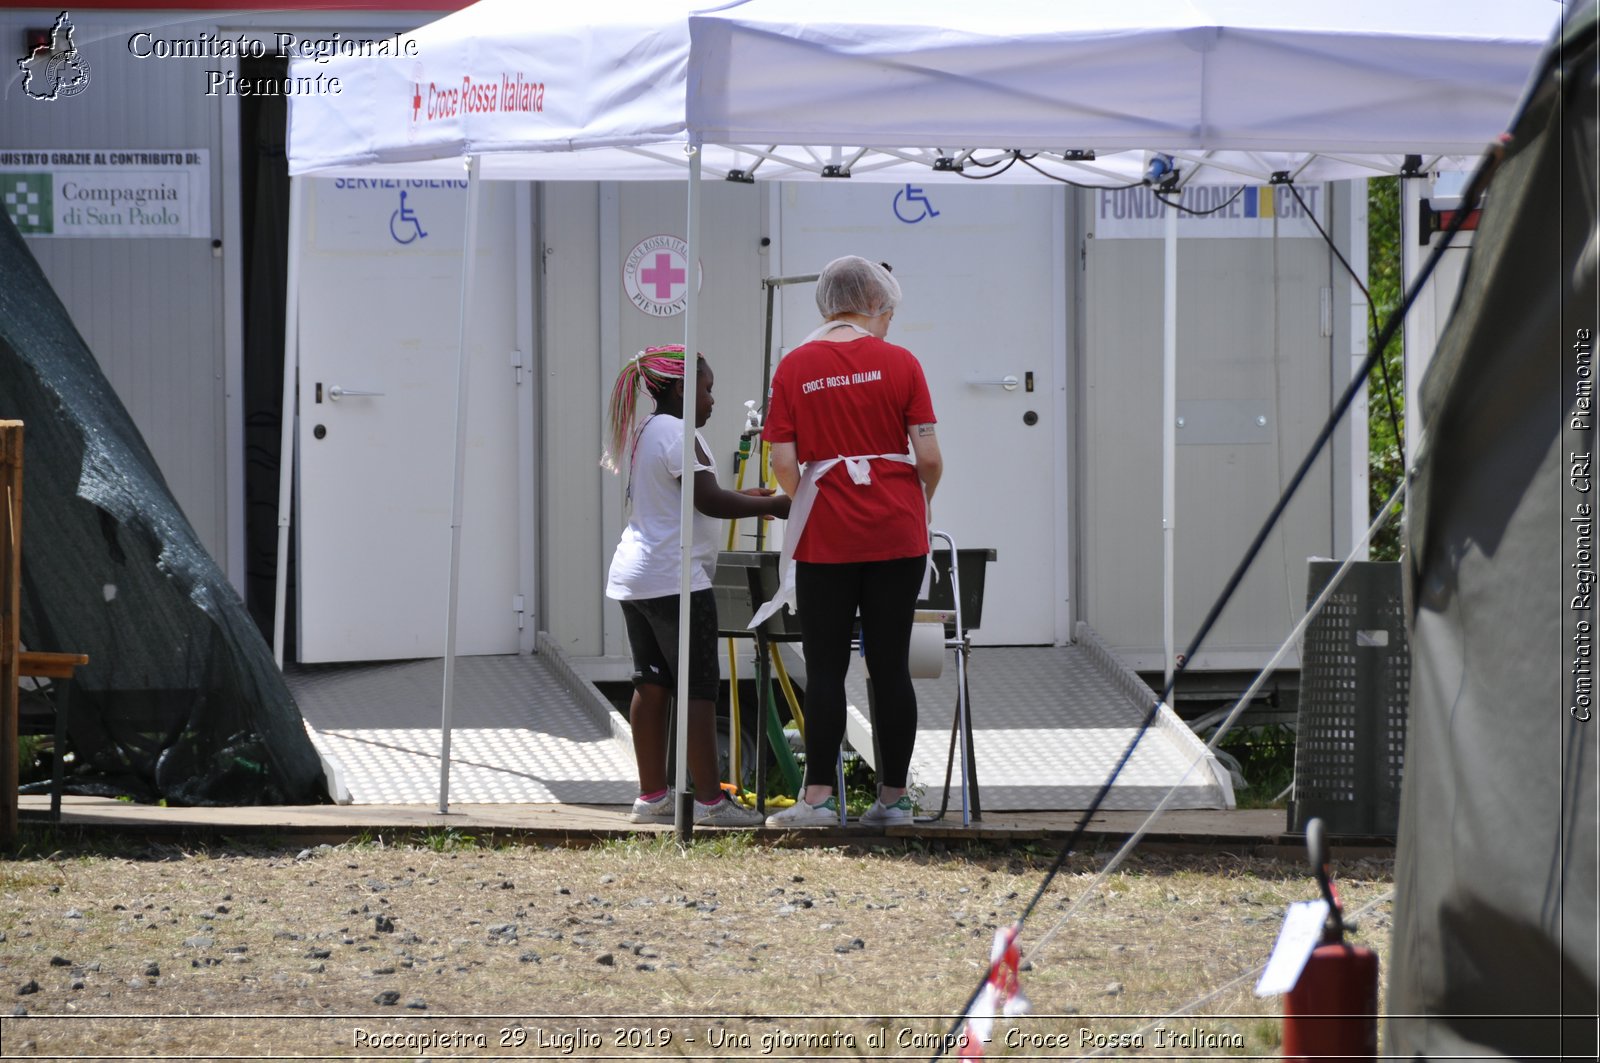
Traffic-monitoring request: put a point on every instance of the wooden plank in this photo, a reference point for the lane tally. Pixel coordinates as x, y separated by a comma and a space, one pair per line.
39, 665
10, 618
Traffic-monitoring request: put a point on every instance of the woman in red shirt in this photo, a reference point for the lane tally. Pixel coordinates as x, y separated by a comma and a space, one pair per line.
843, 407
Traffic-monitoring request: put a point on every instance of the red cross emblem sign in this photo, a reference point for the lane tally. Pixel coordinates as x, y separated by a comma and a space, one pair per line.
656, 275
415, 99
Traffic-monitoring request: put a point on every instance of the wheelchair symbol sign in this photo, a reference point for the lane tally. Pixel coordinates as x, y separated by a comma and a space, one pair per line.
911, 205
403, 224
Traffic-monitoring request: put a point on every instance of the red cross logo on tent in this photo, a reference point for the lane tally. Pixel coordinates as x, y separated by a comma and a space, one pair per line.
656, 275
416, 100
663, 276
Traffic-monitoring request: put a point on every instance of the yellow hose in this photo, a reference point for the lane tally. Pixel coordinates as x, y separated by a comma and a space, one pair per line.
765, 476
788, 690
778, 669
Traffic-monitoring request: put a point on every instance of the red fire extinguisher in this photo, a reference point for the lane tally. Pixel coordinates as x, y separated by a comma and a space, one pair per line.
1332, 1011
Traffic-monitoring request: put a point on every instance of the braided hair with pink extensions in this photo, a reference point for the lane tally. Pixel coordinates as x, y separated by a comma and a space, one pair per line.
655, 369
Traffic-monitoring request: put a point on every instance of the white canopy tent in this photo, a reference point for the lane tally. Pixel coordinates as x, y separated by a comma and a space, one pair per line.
1236, 89
1233, 91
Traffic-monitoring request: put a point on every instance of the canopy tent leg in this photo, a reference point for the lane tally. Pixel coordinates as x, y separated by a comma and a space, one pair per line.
1169, 439
288, 415
683, 817
469, 265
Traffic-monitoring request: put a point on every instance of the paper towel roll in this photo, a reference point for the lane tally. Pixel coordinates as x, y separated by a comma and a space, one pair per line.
927, 651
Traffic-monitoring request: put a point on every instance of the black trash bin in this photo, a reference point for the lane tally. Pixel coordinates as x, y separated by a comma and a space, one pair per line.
1355, 679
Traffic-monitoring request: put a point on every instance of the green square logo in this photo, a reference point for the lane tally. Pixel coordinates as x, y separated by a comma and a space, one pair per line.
28, 201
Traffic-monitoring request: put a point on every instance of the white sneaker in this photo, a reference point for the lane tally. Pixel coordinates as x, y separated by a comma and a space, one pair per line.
882, 815
801, 814
658, 811
725, 813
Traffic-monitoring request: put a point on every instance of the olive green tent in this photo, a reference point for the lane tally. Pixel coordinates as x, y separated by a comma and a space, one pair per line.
181, 699
1494, 937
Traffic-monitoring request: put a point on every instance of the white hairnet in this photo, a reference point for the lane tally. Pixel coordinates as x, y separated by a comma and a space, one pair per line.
852, 285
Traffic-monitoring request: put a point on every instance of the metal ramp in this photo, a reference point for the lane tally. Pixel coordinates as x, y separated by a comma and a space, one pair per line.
1049, 724
524, 730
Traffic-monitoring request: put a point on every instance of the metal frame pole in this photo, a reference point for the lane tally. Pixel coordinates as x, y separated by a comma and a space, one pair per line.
1169, 440
469, 265
683, 813
287, 415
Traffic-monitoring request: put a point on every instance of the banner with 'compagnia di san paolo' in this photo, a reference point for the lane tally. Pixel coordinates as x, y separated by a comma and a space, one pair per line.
65, 192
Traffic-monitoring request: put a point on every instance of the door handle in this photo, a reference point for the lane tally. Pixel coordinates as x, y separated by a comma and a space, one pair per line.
336, 393
1009, 382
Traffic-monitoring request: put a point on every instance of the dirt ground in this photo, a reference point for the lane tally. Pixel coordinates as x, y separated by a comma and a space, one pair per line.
448, 946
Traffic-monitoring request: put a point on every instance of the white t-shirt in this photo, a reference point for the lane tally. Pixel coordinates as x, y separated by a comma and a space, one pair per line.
647, 562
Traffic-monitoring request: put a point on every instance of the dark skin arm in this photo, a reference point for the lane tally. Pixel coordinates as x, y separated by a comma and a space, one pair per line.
714, 500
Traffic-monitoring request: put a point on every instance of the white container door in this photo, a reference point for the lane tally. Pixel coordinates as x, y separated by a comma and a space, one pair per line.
983, 274
379, 317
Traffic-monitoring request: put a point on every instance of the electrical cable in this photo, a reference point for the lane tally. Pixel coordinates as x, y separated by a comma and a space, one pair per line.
1028, 162
1014, 157
1180, 208
1372, 310
1010, 162
1010, 156
1473, 193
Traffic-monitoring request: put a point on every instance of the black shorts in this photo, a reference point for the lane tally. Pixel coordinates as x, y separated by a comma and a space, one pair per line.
653, 637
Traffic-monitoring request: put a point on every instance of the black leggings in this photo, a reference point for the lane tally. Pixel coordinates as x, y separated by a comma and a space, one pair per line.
827, 597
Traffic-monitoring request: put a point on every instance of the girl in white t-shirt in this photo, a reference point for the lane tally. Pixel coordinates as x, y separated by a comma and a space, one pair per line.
646, 576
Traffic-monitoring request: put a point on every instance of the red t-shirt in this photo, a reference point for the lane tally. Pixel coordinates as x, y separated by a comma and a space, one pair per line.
843, 400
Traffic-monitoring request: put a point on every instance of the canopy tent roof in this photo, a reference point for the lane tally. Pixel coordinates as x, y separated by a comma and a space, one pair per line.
1235, 90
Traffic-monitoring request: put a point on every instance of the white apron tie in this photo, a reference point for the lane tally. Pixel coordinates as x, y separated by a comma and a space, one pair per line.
860, 469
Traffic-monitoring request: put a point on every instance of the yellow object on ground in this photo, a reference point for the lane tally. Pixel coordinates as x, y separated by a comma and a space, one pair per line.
747, 798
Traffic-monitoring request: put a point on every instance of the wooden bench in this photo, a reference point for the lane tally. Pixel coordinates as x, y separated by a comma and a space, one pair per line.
58, 667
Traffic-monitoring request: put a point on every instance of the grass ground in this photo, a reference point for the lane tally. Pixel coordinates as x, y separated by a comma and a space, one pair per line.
447, 945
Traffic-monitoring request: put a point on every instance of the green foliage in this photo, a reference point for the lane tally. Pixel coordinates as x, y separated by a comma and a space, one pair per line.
1386, 403
721, 842
447, 840
660, 844
860, 784
1266, 757
32, 764
366, 838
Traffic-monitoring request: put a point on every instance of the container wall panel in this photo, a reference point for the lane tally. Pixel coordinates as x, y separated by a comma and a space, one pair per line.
151, 310
574, 544
591, 328
1250, 346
